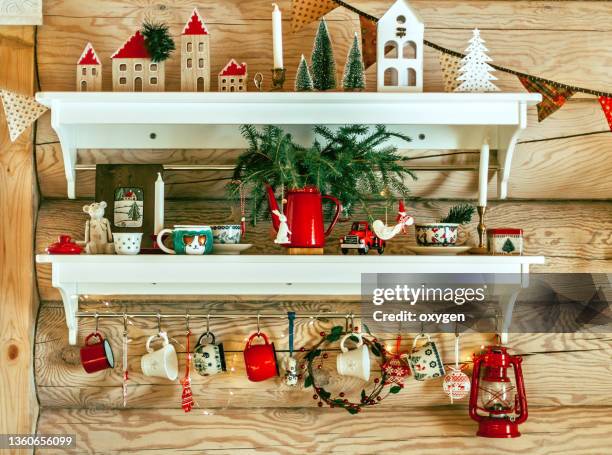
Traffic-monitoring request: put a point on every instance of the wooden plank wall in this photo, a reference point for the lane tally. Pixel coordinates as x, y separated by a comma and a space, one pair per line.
18, 304
560, 194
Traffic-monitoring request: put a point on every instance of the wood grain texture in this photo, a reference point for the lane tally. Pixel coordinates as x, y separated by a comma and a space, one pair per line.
18, 406
576, 431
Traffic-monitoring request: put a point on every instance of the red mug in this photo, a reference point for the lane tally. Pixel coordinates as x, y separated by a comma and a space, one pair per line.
260, 359
97, 356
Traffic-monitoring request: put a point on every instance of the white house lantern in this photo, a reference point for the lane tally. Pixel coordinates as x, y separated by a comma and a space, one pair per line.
195, 55
89, 71
399, 50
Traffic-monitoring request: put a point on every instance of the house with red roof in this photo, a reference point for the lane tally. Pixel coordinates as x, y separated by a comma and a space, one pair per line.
233, 77
89, 71
195, 55
133, 69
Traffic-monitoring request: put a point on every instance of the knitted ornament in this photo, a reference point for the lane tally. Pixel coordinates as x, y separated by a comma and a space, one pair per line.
396, 366
456, 383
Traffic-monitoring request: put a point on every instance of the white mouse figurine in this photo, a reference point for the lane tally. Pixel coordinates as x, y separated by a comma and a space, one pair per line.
98, 235
282, 237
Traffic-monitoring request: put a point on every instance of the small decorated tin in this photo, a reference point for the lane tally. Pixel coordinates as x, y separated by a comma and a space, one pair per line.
505, 241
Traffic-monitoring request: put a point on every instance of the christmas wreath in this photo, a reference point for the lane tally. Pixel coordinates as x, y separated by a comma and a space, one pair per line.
375, 396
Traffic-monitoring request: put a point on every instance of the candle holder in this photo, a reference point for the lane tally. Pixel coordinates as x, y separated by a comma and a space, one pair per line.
278, 78
482, 233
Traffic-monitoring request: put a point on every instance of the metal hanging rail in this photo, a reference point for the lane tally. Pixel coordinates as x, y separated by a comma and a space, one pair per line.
211, 315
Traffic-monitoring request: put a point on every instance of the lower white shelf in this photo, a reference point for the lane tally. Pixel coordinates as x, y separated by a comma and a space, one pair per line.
79, 275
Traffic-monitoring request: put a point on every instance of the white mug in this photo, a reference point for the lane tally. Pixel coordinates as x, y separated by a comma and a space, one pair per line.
162, 363
355, 362
291, 376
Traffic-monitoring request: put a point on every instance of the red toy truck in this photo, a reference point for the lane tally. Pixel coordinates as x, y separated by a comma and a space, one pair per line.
361, 238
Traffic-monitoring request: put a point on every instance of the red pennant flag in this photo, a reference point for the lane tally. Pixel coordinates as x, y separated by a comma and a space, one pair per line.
606, 106
368, 41
553, 97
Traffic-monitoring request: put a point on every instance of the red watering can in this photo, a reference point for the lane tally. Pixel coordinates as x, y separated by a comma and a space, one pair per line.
302, 220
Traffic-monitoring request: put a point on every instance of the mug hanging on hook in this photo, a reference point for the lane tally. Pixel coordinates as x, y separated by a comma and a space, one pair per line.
208, 357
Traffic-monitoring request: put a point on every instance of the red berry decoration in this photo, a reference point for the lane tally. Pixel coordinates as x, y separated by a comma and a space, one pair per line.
315, 397
302, 349
376, 380
341, 394
326, 355
378, 398
322, 334
320, 404
319, 367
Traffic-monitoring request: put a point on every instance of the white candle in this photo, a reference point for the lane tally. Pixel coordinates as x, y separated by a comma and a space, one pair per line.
483, 174
277, 36
159, 204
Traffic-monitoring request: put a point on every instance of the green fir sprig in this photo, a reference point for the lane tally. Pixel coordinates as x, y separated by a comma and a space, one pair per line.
460, 214
158, 40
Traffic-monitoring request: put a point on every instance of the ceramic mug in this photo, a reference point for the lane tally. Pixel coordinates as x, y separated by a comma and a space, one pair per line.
97, 356
440, 234
192, 240
208, 357
354, 362
260, 359
425, 361
291, 375
227, 233
127, 242
162, 363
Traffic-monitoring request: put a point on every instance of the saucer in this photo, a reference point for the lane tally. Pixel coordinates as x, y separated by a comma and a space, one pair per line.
230, 248
439, 250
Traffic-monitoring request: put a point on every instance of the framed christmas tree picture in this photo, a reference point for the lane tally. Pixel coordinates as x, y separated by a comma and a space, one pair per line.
129, 191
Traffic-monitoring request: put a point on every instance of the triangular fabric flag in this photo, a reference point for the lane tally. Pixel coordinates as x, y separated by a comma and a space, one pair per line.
368, 41
450, 70
606, 106
552, 97
20, 111
304, 12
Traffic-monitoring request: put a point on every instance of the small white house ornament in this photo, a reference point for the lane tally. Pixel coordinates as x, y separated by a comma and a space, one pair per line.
399, 50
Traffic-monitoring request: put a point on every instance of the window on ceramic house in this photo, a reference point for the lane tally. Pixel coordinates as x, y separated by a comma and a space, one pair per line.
233, 80
391, 79
83, 86
240, 80
84, 71
189, 63
122, 80
153, 81
138, 67
411, 77
391, 49
201, 63
201, 47
123, 67
153, 67
224, 80
94, 71
189, 47
410, 51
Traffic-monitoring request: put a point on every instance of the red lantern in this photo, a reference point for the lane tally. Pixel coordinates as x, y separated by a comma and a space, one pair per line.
496, 403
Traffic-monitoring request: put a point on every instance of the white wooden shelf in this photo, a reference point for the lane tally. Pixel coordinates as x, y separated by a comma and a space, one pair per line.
107, 120
80, 275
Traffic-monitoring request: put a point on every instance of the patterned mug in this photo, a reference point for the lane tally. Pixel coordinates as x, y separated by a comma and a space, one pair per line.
208, 357
425, 361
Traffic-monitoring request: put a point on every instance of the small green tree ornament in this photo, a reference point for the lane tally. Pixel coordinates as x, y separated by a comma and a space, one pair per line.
134, 213
303, 80
508, 246
323, 64
354, 71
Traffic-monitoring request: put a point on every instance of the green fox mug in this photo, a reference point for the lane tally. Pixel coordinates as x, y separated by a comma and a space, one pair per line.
191, 240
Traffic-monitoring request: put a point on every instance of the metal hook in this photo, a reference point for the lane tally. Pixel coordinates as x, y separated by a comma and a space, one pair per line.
422, 328
125, 330
258, 317
187, 321
208, 323
346, 323
159, 322
96, 318
352, 326
456, 329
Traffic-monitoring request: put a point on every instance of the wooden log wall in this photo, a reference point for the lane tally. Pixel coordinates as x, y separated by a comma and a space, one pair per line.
560, 192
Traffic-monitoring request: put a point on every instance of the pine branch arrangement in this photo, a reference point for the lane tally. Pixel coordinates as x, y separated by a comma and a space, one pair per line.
460, 214
158, 41
303, 79
354, 71
353, 163
323, 64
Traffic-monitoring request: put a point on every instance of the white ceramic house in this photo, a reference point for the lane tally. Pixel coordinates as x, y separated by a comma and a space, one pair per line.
399, 51
195, 55
89, 71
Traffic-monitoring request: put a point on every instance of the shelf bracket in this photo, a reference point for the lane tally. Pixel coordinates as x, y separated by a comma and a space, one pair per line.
69, 149
71, 307
505, 153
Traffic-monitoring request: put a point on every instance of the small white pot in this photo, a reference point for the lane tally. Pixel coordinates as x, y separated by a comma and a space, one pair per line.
127, 242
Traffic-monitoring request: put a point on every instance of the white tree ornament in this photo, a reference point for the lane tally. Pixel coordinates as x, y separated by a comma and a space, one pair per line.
475, 72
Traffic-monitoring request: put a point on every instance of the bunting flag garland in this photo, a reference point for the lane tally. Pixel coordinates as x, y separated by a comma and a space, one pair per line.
368, 41
553, 98
606, 106
450, 70
304, 12
20, 111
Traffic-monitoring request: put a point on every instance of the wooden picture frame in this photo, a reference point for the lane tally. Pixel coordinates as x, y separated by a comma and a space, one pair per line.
129, 191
